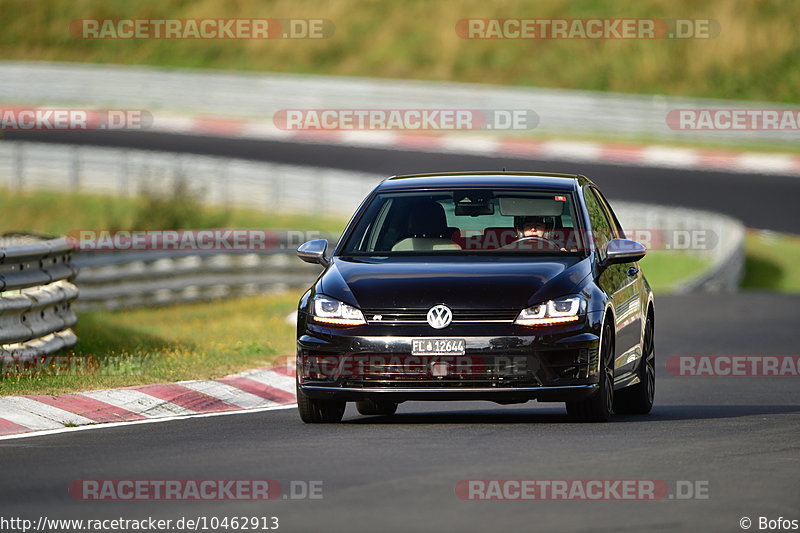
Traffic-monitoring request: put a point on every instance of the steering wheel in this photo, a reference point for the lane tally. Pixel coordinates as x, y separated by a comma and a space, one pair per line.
550, 244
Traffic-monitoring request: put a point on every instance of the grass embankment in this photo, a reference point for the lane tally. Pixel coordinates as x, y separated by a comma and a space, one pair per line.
772, 261
666, 269
752, 58
57, 213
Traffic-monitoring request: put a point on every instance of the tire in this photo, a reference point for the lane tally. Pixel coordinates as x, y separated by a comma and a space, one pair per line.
319, 411
638, 399
376, 407
599, 406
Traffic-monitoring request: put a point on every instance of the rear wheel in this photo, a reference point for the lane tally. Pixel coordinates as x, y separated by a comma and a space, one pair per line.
376, 407
638, 399
598, 407
319, 411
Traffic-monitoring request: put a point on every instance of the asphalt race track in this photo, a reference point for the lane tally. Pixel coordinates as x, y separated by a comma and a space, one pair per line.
737, 436
399, 473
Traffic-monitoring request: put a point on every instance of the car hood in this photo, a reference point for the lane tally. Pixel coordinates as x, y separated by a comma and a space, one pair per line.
461, 283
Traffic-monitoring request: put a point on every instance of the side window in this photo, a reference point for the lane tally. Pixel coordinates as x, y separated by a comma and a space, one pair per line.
618, 231
602, 231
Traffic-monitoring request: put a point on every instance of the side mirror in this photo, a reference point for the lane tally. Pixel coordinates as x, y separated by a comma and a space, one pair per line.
623, 251
314, 252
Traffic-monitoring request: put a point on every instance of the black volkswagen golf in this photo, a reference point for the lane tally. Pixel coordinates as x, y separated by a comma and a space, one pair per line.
493, 286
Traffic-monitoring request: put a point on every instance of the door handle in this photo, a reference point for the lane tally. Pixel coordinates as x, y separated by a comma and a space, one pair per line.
632, 271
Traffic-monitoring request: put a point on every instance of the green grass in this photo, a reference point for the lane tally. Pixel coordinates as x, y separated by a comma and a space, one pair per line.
772, 261
666, 269
56, 213
193, 341
753, 58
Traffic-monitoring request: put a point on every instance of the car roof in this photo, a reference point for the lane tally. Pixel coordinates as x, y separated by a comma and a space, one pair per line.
494, 179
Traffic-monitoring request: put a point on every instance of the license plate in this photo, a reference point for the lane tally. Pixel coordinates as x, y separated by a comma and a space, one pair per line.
438, 346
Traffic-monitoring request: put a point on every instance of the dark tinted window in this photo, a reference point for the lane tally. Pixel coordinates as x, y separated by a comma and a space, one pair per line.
618, 232
602, 231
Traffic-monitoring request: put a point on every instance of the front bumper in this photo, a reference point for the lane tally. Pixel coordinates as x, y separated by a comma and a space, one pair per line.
494, 394
506, 364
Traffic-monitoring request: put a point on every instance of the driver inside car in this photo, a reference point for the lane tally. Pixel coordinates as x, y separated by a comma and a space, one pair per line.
532, 227
537, 228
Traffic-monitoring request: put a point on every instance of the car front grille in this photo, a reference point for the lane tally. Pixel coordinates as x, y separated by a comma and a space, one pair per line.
399, 317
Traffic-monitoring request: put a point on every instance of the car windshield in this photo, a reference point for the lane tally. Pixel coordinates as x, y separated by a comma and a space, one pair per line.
466, 221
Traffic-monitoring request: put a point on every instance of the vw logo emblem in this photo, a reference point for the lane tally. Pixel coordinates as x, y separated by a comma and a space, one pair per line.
440, 316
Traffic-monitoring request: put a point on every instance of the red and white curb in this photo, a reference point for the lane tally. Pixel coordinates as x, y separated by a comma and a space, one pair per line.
496, 146
254, 390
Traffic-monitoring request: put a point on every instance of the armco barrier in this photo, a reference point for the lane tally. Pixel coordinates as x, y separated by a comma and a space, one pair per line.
122, 279
723, 235
35, 296
220, 181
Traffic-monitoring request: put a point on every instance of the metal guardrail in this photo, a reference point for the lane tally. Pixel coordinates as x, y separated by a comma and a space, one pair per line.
257, 96
124, 279
35, 296
219, 181
724, 235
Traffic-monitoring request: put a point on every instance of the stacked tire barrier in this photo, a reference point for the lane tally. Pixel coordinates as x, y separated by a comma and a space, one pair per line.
36, 296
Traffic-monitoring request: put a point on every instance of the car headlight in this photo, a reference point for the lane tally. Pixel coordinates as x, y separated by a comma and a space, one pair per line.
333, 312
559, 311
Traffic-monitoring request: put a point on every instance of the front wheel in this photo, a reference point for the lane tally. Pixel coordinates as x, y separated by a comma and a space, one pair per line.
319, 411
638, 399
598, 407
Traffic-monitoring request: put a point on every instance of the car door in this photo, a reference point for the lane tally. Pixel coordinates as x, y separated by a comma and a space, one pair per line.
619, 282
636, 307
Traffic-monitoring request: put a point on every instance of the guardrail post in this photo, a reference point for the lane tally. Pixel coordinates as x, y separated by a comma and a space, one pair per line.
319, 187
224, 185
75, 170
19, 166
124, 174
275, 189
